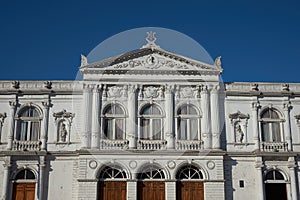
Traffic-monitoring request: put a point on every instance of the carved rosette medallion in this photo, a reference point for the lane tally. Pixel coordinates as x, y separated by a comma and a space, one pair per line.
210, 164
93, 164
171, 164
132, 164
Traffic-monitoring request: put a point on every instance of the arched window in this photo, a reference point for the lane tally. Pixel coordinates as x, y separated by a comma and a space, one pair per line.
274, 175
151, 172
112, 172
271, 126
25, 174
151, 123
114, 122
189, 172
188, 123
28, 124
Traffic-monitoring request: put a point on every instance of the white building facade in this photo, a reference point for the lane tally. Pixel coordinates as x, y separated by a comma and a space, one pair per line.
149, 124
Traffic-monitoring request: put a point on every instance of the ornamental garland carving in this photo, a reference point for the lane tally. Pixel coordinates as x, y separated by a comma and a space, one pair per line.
153, 92
187, 92
116, 91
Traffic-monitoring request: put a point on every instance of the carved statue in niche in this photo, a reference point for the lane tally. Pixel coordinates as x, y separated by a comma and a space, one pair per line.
62, 132
239, 134
63, 121
239, 122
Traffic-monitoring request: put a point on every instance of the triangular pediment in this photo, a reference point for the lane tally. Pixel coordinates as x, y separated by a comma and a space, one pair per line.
149, 59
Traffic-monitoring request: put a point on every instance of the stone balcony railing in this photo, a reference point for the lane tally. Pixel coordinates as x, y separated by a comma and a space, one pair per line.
113, 144
274, 146
20, 145
189, 144
152, 144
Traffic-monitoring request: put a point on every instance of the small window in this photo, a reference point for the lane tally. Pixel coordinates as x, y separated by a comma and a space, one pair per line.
242, 184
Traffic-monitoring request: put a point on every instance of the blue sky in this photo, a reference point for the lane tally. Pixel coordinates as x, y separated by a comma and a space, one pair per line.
43, 40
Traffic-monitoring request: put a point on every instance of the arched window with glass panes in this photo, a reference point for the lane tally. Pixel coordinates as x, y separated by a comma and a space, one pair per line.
28, 124
112, 172
151, 172
188, 123
271, 123
114, 122
151, 120
189, 172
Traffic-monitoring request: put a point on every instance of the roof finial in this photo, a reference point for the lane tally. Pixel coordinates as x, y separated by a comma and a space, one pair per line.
84, 61
151, 40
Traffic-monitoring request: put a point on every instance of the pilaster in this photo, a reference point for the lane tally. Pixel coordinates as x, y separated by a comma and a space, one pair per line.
13, 105
287, 126
169, 133
44, 132
131, 121
205, 122
86, 135
215, 117
96, 117
254, 108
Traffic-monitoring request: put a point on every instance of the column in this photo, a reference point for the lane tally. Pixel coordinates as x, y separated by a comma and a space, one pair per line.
96, 118
205, 122
169, 134
131, 121
85, 138
260, 181
41, 177
287, 127
44, 131
254, 107
294, 187
12, 105
215, 117
6, 174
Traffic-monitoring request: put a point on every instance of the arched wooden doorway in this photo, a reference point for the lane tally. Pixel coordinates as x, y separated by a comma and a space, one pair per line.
24, 185
275, 187
112, 183
189, 185
150, 184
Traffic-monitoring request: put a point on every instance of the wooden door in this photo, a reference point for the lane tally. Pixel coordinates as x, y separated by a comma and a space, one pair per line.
151, 190
24, 191
112, 190
276, 191
189, 190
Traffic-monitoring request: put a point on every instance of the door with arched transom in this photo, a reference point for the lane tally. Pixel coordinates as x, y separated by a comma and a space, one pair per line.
189, 185
112, 183
275, 186
151, 185
24, 185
